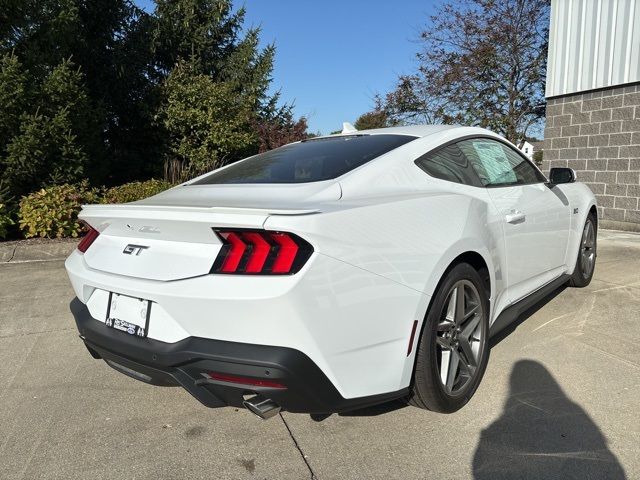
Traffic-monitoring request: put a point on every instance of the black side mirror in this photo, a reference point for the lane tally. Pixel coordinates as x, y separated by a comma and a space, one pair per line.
561, 175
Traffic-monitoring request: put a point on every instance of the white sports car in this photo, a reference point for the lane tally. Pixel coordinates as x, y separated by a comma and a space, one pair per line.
332, 273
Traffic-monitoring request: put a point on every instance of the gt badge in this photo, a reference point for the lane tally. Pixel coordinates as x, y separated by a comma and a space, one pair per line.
132, 249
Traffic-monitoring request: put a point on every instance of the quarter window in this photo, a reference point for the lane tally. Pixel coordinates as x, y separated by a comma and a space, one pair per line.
449, 163
497, 164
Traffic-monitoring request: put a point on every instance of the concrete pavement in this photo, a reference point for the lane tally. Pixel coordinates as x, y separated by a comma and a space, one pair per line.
559, 400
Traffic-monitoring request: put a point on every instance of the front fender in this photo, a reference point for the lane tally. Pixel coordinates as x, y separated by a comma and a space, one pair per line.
581, 201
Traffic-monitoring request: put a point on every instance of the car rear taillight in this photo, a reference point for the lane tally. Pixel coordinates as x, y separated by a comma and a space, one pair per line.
88, 239
260, 252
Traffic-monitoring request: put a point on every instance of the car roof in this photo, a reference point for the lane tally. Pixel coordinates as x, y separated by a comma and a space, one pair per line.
413, 130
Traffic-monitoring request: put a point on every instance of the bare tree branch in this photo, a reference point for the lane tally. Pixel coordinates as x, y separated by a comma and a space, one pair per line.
481, 62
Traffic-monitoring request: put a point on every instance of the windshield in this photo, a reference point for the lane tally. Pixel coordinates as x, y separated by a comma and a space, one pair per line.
311, 160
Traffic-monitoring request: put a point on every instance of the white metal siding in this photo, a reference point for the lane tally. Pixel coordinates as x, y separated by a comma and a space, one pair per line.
593, 44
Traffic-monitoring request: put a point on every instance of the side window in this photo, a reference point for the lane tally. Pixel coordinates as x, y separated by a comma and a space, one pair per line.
497, 164
449, 163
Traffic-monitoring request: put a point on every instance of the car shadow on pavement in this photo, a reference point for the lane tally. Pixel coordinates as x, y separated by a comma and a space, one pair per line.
542, 434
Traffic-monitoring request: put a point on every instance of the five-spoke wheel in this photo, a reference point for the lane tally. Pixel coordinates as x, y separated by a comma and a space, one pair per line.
459, 336
453, 351
586, 261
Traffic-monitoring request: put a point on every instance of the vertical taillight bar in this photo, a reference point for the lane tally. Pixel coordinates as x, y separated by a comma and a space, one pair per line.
288, 249
235, 252
88, 239
259, 254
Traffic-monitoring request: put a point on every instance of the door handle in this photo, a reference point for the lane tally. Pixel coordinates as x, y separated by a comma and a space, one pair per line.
515, 216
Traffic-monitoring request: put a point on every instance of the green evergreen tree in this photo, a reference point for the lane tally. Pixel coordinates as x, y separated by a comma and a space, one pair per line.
207, 124
215, 84
120, 113
48, 147
109, 40
14, 97
209, 34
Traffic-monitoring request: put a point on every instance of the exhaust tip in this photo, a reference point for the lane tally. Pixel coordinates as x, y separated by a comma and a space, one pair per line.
264, 408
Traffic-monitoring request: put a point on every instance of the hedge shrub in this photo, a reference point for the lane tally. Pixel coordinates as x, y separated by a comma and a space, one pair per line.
52, 212
130, 192
5, 221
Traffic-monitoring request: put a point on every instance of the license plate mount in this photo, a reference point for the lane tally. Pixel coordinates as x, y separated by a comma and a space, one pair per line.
128, 314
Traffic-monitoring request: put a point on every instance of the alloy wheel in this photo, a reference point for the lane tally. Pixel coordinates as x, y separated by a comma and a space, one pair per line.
588, 250
459, 337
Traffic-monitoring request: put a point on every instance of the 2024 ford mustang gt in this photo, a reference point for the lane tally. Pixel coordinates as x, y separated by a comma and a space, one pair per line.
332, 273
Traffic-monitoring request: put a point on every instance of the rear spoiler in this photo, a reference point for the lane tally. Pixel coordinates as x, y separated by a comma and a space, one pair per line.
227, 216
128, 207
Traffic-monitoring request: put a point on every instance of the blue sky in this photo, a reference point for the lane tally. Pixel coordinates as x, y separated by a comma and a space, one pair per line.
334, 56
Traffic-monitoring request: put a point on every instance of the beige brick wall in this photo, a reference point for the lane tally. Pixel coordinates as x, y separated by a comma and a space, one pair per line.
598, 135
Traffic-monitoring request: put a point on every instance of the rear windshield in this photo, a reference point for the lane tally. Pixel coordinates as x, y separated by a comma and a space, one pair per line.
311, 160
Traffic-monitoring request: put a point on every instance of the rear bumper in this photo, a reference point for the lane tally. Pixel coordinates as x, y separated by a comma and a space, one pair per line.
308, 390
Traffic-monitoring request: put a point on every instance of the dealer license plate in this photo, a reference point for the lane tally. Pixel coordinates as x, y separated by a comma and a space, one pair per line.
128, 314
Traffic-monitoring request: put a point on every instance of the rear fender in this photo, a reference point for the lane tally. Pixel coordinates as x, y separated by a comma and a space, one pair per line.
449, 259
409, 239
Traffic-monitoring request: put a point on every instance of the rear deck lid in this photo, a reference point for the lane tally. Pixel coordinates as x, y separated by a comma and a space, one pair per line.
164, 242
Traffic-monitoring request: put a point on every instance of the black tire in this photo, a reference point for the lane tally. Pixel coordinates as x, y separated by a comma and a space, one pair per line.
583, 272
428, 390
